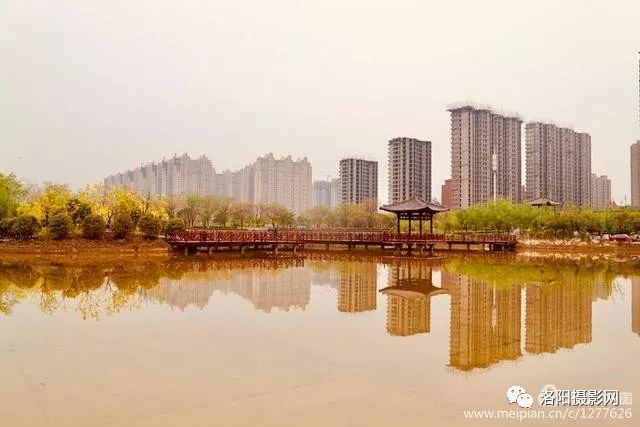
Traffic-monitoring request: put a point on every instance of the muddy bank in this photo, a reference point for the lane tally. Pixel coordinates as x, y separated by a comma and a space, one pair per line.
83, 247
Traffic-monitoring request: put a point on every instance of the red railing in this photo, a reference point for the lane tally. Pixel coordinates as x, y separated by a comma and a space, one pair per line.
333, 236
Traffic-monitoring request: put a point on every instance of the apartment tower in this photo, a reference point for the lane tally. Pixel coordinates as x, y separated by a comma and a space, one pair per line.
359, 180
558, 164
485, 156
409, 169
635, 175
600, 192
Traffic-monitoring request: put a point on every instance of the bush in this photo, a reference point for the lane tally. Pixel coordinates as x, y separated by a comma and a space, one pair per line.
25, 227
60, 225
5, 227
149, 226
121, 225
93, 227
174, 226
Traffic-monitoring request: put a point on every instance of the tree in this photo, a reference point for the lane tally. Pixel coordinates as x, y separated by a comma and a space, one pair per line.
78, 210
60, 225
149, 226
25, 227
240, 212
189, 213
223, 211
11, 193
93, 227
318, 216
174, 227
121, 225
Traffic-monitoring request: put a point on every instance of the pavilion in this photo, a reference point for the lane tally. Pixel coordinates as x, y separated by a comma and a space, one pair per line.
414, 208
543, 201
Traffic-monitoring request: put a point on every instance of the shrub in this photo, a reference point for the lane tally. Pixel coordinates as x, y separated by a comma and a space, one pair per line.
60, 225
121, 225
149, 226
5, 227
173, 227
93, 227
25, 227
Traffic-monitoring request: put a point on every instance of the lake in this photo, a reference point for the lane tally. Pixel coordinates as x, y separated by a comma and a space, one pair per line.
321, 339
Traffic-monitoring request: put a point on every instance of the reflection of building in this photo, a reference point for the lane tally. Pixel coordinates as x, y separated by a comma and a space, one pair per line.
635, 305
558, 315
182, 293
485, 322
358, 285
266, 289
409, 298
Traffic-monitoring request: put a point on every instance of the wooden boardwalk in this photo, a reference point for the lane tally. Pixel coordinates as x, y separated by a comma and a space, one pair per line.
193, 240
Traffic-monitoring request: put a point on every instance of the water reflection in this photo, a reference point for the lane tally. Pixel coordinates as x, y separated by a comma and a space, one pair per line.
486, 296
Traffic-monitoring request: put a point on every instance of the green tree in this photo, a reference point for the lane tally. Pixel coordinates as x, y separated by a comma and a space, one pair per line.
60, 225
240, 212
93, 227
25, 227
149, 226
11, 194
121, 225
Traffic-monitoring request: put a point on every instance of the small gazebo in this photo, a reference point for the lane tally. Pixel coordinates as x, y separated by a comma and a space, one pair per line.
414, 208
543, 201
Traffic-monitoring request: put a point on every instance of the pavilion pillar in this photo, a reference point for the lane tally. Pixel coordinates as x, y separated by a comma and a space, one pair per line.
420, 221
398, 221
409, 226
431, 224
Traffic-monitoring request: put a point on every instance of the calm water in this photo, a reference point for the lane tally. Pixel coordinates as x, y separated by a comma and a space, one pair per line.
321, 340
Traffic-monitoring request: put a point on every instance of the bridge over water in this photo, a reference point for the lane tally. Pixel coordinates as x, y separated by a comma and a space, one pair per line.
210, 240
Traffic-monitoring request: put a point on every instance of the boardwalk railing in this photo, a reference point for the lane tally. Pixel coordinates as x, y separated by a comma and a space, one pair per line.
194, 236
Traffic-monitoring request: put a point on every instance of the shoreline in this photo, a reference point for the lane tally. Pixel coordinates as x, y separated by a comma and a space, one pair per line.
82, 248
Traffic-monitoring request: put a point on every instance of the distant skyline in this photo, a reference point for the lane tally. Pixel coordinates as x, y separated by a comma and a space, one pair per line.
93, 88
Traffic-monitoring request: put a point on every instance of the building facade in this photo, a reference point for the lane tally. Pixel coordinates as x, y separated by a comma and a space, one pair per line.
635, 175
358, 180
485, 156
322, 193
268, 180
600, 192
447, 188
558, 164
409, 169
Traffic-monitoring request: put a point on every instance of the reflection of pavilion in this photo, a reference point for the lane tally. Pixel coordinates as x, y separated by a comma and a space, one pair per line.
485, 322
357, 288
558, 315
409, 299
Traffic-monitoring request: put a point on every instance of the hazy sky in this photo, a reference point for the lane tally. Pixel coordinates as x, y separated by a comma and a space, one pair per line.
89, 88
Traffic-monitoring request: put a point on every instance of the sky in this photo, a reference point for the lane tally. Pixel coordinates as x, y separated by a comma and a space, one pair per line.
90, 88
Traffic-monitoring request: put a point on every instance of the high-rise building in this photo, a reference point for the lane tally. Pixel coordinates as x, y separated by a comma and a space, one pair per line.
485, 155
359, 180
600, 192
283, 181
635, 175
447, 188
336, 192
268, 180
322, 193
409, 169
558, 164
